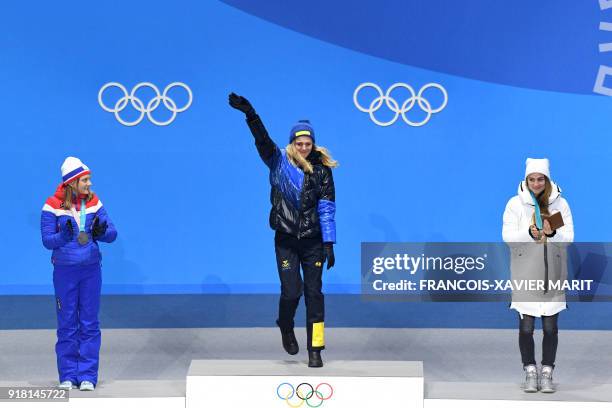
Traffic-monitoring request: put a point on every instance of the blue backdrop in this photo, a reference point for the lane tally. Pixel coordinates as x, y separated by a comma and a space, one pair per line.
191, 200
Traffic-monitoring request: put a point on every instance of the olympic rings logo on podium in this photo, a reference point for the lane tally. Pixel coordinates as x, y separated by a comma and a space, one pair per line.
406, 106
139, 105
304, 393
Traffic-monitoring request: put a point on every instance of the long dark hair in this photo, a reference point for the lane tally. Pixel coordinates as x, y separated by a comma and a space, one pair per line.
544, 196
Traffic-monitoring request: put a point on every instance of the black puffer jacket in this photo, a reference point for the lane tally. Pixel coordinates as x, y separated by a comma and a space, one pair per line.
303, 204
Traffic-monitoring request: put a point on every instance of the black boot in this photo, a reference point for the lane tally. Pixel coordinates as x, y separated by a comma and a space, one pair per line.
290, 343
314, 358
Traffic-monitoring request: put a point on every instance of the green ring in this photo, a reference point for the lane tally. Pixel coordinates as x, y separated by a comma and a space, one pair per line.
320, 395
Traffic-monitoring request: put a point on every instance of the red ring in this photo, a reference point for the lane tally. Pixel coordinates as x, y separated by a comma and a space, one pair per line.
330, 395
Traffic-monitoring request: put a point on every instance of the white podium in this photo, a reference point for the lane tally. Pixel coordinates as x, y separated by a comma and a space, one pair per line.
262, 383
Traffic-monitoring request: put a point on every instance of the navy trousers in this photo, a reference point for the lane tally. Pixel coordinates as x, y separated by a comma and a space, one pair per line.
291, 253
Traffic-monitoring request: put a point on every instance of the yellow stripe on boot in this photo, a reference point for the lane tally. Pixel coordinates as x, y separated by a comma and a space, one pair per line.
318, 338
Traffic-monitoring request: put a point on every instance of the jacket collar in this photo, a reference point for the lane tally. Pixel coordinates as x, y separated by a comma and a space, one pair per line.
314, 157
60, 194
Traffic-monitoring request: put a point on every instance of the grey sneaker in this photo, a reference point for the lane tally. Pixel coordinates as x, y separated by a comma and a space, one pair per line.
546, 383
87, 386
531, 379
66, 385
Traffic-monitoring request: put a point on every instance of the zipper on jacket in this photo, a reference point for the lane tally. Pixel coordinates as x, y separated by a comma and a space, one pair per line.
546, 267
301, 204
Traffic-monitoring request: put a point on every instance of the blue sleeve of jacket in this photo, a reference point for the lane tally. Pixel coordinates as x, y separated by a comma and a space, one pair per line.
327, 207
111, 232
48, 229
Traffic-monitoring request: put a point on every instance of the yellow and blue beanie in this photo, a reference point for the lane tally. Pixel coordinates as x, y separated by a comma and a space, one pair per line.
302, 128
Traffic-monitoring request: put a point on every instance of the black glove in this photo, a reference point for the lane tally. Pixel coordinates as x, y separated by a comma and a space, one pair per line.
98, 229
67, 231
328, 254
242, 104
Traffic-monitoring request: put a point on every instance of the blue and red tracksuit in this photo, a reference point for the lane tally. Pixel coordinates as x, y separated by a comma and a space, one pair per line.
77, 279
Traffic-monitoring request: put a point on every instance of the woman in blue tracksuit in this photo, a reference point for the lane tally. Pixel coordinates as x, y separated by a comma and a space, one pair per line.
303, 216
73, 220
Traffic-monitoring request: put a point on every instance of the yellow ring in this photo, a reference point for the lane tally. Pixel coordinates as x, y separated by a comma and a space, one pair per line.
294, 406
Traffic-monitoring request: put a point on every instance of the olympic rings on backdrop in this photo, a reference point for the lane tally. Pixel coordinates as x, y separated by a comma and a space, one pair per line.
406, 106
139, 105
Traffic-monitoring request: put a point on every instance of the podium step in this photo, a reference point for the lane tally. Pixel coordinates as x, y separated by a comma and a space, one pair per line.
267, 383
448, 394
115, 393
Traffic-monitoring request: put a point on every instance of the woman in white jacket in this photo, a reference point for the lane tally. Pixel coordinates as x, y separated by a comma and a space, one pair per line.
537, 252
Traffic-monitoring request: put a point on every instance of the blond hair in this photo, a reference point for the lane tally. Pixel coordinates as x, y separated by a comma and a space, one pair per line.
71, 191
297, 160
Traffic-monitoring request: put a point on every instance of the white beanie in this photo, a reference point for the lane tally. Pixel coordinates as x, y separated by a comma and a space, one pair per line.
537, 166
72, 169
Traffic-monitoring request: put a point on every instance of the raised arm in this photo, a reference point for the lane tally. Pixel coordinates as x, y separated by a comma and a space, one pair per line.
267, 149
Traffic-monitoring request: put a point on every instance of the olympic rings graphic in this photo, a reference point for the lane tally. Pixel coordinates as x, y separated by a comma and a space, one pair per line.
139, 105
393, 105
304, 393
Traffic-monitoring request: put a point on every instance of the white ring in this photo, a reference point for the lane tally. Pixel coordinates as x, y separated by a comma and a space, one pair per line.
139, 105
108, 85
359, 88
441, 88
406, 106
372, 110
149, 85
424, 121
182, 85
123, 122
171, 109
400, 85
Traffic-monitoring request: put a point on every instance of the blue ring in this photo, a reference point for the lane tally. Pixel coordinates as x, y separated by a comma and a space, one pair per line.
285, 398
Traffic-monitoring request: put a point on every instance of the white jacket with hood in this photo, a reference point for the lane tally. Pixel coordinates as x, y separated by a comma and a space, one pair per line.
517, 220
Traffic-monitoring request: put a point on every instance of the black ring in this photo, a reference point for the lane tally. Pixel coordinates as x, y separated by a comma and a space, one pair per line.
309, 395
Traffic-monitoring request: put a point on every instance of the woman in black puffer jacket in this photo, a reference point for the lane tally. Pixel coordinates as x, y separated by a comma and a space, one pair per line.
302, 214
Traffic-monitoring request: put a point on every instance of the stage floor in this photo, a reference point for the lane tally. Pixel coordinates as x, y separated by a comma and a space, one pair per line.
458, 363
